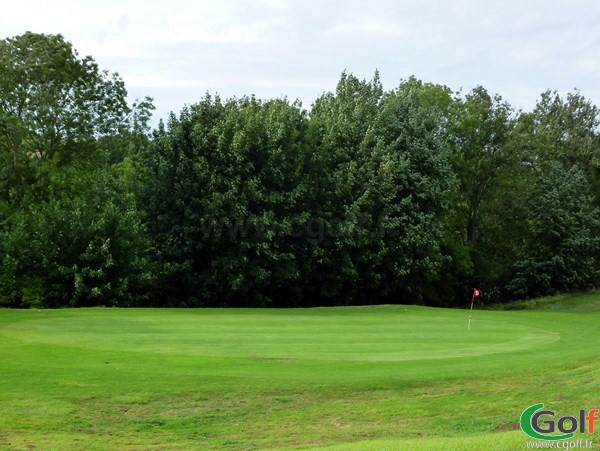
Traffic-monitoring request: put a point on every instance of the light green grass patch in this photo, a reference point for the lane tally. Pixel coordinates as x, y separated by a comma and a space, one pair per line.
369, 376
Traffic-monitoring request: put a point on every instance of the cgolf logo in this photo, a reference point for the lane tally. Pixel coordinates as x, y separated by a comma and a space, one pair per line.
541, 424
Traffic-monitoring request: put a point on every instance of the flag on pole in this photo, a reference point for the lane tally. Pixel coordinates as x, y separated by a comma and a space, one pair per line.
476, 294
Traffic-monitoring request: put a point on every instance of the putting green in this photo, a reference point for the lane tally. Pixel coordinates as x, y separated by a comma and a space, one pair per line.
375, 377
367, 334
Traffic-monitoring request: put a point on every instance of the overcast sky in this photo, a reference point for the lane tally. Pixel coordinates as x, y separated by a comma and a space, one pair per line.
177, 50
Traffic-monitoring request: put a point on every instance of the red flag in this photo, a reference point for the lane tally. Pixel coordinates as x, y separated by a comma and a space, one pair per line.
476, 292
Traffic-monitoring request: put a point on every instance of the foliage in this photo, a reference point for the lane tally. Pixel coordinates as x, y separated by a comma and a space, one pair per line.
565, 130
564, 247
219, 187
70, 233
339, 201
352, 214
409, 186
83, 247
415, 194
59, 110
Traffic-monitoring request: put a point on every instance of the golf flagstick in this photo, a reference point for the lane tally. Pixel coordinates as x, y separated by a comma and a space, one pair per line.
476, 294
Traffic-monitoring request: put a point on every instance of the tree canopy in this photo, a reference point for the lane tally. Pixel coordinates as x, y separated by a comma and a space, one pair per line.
409, 195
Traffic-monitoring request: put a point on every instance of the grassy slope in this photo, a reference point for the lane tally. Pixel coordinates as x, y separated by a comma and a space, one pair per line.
379, 377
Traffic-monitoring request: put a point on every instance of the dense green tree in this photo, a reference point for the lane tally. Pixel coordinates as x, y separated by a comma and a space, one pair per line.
381, 175
480, 128
488, 209
413, 181
342, 222
563, 250
559, 143
449, 282
219, 187
70, 231
409, 195
84, 246
564, 130
58, 110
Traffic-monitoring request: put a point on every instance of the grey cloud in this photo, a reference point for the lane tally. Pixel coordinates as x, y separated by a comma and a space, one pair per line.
176, 52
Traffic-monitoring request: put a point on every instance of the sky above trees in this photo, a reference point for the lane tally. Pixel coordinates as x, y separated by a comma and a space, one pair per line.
176, 51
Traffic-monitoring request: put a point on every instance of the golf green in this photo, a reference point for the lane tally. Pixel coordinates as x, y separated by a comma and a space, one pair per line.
371, 377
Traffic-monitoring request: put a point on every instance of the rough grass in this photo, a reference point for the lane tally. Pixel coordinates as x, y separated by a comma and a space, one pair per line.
568, 302
386, 377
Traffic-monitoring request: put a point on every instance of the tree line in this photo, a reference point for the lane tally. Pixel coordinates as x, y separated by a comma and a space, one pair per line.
409, 195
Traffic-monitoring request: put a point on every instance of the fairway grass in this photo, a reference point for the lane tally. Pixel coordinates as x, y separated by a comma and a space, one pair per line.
382, 377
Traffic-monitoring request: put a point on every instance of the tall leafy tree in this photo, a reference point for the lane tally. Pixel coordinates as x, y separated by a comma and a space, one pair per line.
564, 130
480, 128
456, 267
413, 178
562, 252
490, 166
339, 170
382, 176
84, 246
220, 185
70, 232
56, 109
